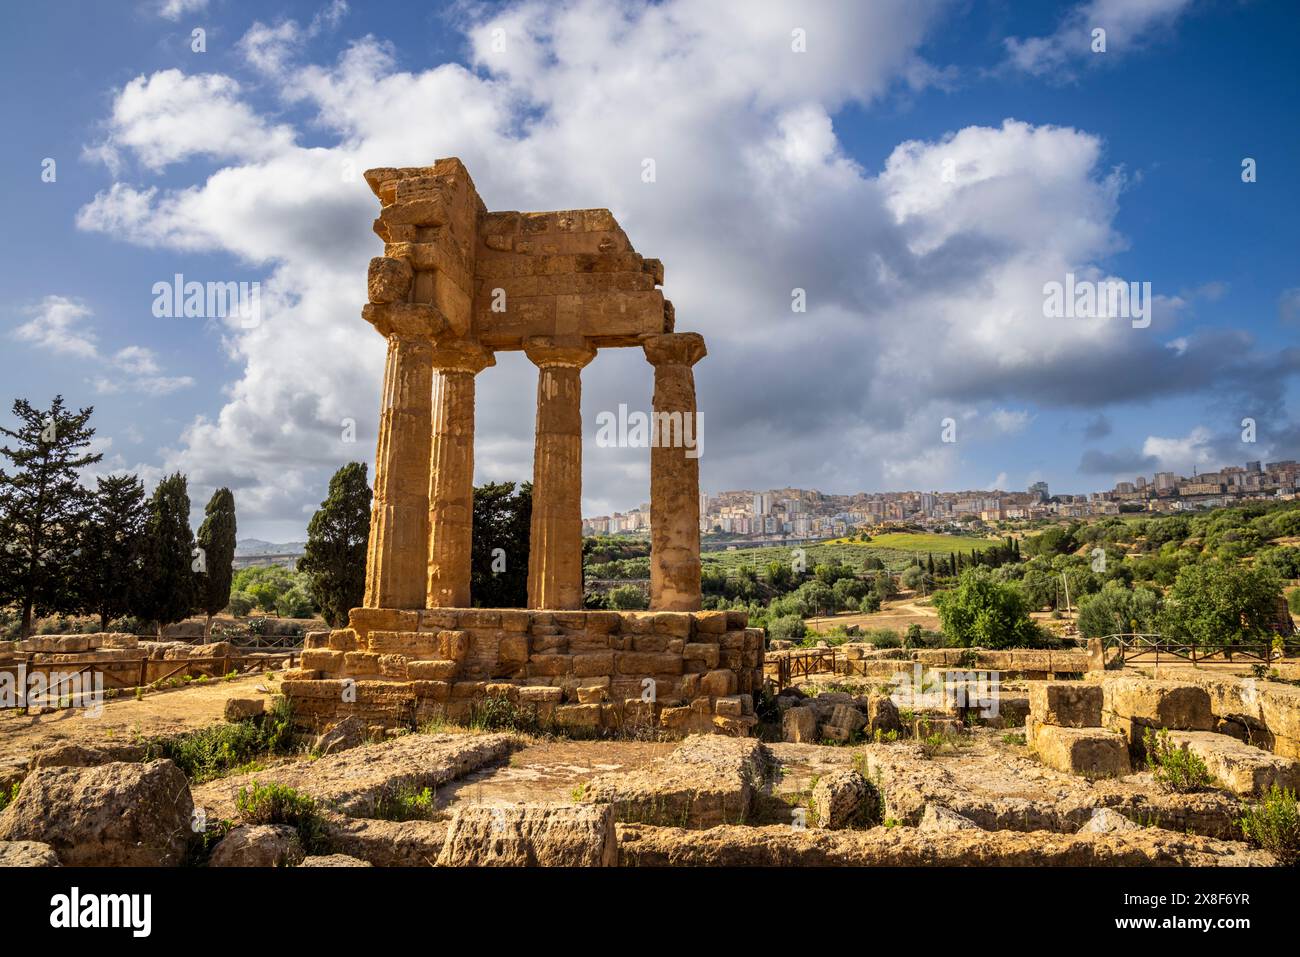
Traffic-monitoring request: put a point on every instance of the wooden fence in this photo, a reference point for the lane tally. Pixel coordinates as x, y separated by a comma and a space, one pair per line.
1132, 648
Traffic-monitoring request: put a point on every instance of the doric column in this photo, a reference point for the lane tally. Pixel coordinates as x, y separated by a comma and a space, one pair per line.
451, 471
674, 473
555, 546
399, 515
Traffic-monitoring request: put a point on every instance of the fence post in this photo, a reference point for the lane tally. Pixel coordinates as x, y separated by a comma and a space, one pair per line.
144, 672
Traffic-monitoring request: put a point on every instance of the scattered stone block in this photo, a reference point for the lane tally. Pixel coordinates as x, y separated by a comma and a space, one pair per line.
1106, 821
531, 835
1241, 768
27, 854
1066, 704
258, 845
799, 726
1091, 752
113, 815
939, 819
240, 709
845, 799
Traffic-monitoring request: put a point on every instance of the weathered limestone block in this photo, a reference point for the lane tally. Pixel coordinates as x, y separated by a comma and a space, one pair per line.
389, 279
531, 835
845, 799
1243, 769
1091, 752
1106, 821
708, 780
238, 709
1066, 704
258, 845
113, 815
938, 819
27, 854
1176, 705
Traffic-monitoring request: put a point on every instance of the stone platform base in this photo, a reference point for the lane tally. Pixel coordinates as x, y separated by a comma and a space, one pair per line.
594, 671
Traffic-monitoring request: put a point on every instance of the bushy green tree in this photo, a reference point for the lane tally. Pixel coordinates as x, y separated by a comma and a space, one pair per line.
984, 612
1216, 604
628, 598
334, 559
43, 506
499, 562
787, 628
1115, 609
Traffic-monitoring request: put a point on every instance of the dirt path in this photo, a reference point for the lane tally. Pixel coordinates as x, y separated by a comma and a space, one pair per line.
123, 719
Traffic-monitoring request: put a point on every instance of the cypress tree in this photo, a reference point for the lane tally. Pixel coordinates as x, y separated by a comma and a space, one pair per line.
216, 542
335, 558
166, 592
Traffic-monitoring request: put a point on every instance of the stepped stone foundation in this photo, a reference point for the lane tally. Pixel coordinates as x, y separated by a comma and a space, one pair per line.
679, 672
456, 285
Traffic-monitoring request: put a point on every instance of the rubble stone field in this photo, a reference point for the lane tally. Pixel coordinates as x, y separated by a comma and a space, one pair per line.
838, 770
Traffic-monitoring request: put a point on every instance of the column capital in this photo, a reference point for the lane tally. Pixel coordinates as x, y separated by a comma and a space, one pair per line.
462, 355
408, 320
674, 348
572, 351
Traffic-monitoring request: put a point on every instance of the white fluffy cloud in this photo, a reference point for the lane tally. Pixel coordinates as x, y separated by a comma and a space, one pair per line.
923, 281
59, 325
1129, 25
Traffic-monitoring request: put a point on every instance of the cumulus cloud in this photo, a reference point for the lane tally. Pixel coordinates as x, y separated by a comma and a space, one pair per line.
923, 279
1128, 25
59, 325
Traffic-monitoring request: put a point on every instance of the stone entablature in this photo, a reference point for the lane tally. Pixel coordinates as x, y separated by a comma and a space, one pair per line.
678, 672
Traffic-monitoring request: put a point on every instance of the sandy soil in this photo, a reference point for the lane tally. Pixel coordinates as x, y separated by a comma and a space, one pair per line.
124, 719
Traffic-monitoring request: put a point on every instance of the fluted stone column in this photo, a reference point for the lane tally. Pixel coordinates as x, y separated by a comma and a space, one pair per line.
674, 473
555, 547
451, 471
399, 516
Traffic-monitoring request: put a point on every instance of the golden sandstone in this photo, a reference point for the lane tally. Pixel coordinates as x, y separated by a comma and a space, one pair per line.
457, 284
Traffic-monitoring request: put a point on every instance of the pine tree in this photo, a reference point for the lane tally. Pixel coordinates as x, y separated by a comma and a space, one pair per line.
166, 592
43, 507
108, 567
216, 541
335, 557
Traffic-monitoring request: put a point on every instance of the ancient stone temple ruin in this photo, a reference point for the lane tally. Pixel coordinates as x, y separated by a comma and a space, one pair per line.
457, 284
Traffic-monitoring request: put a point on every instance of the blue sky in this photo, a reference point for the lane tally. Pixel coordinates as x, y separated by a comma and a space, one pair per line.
777, 169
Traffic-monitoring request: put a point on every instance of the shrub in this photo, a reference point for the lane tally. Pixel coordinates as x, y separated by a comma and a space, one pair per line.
213, 751
1274, 825
409, 803
1174, 768
499, 713
280, 804
7, 795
